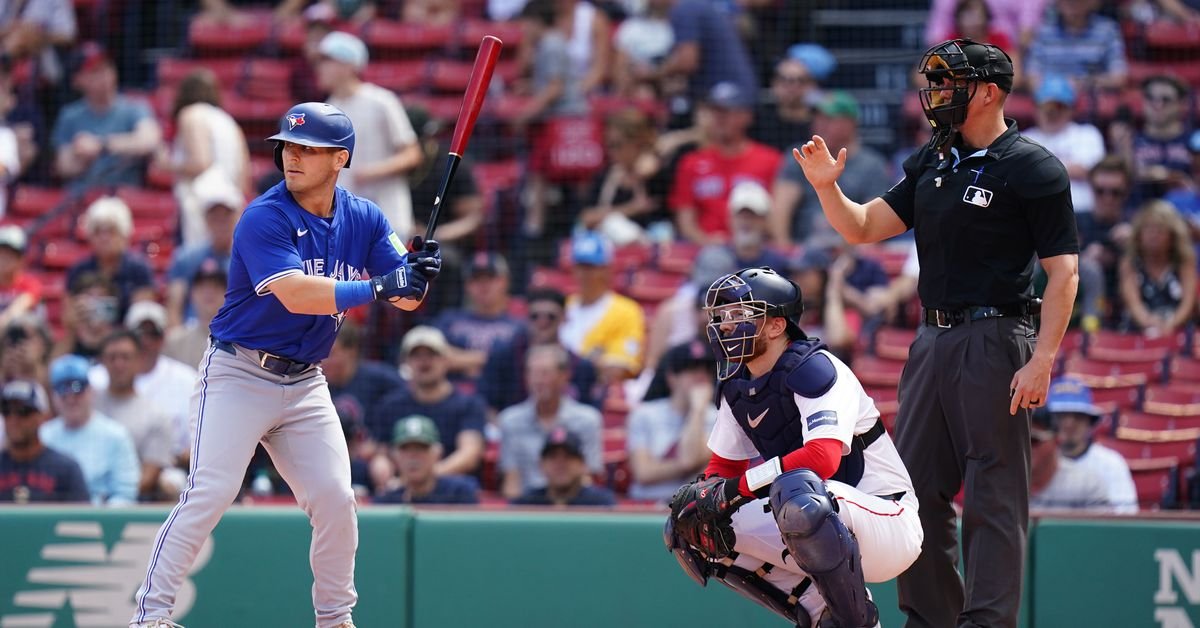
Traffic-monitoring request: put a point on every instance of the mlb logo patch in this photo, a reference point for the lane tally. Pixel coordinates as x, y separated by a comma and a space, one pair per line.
977, 196
295, 120
820, 419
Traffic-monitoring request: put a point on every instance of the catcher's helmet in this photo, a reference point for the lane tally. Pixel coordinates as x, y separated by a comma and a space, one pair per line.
944, 100
741, 299
314, 124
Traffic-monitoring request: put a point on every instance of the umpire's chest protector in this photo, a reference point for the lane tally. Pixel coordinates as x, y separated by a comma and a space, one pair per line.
764, 407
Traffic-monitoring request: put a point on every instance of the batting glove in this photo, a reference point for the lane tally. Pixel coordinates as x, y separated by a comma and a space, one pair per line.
406, 282
425, 256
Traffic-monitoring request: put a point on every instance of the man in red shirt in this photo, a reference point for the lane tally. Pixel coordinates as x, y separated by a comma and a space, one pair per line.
19, 292
705, 177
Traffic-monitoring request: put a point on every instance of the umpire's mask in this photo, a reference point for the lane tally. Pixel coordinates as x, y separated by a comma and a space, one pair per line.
953, 70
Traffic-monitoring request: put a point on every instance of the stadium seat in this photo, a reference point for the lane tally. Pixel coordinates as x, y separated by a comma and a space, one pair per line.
1186, 71
625, 258
1172, 39
892, 343
1176, 426
1114, 347
270, 79
677, 257
172, 70
1156, 480
1172, 400
450, 75
32, 201
1106, 374
211, 39
1185, 370
885, 398
444, 107
398, 76
1135, 448
872, 371
391, 39
472, 31
1117, 398
145, 203
159, 178
554, 278
62, 254
652, 286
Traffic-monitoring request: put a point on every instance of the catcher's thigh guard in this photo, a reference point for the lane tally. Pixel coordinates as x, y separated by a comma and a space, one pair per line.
822, 546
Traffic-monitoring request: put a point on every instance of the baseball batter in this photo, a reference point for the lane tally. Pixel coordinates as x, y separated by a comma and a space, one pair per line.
300, 253
831, 508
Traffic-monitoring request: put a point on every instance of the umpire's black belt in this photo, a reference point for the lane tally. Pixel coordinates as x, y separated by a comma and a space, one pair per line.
268, 361
950, 318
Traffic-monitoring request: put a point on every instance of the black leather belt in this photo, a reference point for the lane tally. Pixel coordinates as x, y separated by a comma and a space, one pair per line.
269, 362
950, 318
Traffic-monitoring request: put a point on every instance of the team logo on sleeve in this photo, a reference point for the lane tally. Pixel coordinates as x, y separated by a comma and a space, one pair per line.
821, 419
295, 120
977, 196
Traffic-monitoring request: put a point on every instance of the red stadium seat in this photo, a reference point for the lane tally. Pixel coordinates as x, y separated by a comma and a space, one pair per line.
1186, 71
1172, 38
159, 178
652, 286
1133, 448
449, 75
1105, 374
172, 70
146, 203
677, 257
444, 108
873, 371
266, 78
398, 76
390, 39
33, 201
885, 398
1154, 479
1113, 347
1185, 370
63, 254
1178, 427
556, 279
472, 31
211, 39
1172, 400
892, 343
1117, 398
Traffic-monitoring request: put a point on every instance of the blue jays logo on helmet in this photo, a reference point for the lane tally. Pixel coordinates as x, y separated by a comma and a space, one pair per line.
737, 306
315, 124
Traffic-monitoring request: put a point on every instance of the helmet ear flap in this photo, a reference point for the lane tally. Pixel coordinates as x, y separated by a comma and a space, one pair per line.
279, 155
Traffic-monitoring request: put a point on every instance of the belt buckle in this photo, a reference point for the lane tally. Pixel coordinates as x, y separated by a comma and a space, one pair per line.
263, 356
941, 318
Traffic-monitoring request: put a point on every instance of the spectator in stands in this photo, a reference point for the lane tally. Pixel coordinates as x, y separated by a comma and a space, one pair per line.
669, 327
1079, 146
1158, 272
19, 292
524, 427
209, 154
1104, 233
502, 382
18, 145
150, 428
628, 198
1075, 418
356, 12
459, 417
588, 33
797, 212
484, 324
668, 437
101, 446
360, 447
222, 206
822, 279
705, 177
1186, 198
749, 210
356, 383
416, 450
386, 146
601, 325
785, 120
973, 19
1078, 43
25, 350
188, 343
1016, 20
89, 315
104, 138
1159, 151
29, 470
641, 43
567, 483
108, 224
707, 50
232, 12
1058, 482
30, 30
431, 12
318, 22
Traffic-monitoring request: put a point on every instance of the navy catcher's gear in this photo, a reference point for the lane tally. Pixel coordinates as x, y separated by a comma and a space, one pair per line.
958, 60
744, 299
693, 563
819, 542
314, 124
750, 585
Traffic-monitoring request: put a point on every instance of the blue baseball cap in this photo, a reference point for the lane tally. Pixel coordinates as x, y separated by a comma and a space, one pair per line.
69, 373
1194, 142
1055, 88
591, 249
728, 95
1069, 395
819, 61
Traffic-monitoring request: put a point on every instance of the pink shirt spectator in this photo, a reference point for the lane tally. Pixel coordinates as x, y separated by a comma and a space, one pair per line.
1011, 17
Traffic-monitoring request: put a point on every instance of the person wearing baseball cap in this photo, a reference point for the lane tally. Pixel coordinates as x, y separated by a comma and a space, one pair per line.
219, 205
416, 450
19, 292
601, 325
384, 156
188, 342
1057, 482
1075, 417
32, 471
750, 226
1079, 145
101, 446
484, 323
567, 477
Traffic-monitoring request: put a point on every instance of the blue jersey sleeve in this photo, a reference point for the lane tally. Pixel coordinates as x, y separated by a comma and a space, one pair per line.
387, 249
263, 238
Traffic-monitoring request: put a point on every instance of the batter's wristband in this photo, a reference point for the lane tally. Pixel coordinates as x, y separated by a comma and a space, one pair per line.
348, 294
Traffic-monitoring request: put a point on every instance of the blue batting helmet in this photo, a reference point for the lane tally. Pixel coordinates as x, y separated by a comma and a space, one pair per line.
314, 124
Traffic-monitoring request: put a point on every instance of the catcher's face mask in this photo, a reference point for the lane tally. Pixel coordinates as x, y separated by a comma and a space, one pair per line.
735, 323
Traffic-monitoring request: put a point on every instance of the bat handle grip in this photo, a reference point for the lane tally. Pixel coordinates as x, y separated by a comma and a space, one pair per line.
451, 168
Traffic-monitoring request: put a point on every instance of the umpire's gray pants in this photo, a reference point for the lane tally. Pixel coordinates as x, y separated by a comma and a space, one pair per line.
235, 405
953, 428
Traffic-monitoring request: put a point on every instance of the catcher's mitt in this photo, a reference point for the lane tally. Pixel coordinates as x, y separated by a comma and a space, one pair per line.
711, 534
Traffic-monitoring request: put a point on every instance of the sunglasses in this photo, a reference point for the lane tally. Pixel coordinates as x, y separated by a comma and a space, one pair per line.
1113, 192
19, 411
546, 316
798, 80
1161, 99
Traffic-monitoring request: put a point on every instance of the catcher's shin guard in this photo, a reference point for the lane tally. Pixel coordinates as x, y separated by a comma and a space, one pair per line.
694, 565
822, 546
750, 585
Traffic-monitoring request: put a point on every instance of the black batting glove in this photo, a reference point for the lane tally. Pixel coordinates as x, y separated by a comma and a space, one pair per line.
425, 256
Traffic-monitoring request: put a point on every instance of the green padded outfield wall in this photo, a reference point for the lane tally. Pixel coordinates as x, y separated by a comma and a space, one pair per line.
81, 567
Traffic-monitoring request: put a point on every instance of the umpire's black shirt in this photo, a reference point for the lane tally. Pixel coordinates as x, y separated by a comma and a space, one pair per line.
979, 216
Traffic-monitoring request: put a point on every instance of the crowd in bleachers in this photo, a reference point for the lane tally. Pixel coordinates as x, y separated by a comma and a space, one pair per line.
629, 153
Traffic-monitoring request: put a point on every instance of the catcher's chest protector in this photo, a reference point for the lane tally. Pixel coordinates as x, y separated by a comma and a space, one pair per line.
766, 411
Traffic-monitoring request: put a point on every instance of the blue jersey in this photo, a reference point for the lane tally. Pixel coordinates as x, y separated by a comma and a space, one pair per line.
276, 238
